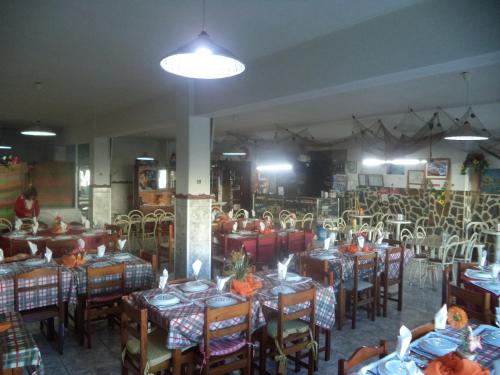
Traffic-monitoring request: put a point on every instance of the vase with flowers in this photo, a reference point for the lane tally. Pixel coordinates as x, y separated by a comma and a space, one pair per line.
458, 319
240, 267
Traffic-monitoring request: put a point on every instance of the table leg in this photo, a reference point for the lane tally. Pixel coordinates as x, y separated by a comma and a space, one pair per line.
497, 250
398, 231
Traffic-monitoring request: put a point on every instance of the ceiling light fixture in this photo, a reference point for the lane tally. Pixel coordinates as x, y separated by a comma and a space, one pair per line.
275, 167
464, 131
202, 59
234, 153
38, 131
377, 162
145, 157
5, 147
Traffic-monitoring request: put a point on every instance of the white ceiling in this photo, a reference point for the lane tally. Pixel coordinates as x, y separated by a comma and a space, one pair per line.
95, 57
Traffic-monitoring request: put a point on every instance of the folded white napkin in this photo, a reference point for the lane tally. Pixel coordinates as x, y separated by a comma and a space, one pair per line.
86, 225
483, 257
404, 340
221, 282
163, 279
34, 228
495, 269
18, 224
245, 214
253, 213
33, 248
84, 219
262, 226
235, 226
497, 316
288, 260
244, 224
48, 255
196, 267
283, 224
282, 270
230, 214
81, 243
333, 237
121, 243
292, 222
101, 249
441, 317
361, 241
326, 243
380, 237
64, 226
1, 255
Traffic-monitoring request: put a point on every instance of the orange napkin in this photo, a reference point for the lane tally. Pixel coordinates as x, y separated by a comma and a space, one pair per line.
246, 288
452, 364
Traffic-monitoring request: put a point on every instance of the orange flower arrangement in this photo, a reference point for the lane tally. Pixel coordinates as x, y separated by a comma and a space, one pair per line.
457, 317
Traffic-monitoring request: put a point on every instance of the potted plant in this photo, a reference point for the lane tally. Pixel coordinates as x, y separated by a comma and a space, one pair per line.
243, 281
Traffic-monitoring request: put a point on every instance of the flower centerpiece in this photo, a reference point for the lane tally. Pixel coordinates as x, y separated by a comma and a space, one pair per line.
59, 226
458, 319
243, 281
476, 161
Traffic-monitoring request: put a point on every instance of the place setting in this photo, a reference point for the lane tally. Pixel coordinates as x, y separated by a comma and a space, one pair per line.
168, 298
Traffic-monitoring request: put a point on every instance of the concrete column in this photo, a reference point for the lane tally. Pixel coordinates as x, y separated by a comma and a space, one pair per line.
100, 188
193, 202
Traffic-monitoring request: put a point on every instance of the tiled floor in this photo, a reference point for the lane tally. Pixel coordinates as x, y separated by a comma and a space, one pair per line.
104, 357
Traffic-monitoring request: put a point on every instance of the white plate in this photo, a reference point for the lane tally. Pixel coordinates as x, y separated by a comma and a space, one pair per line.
64, 237
99, 264
16, 235
5, 271
88, 234
283, 289
221, 301
166, 299
437, 346
326, 257
392, 367
478, 275
491, 336
194, 286
34, 261
123, 256
290, 276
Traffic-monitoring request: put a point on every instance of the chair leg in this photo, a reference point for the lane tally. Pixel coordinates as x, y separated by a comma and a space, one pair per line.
386, 297
328, 344
262, 352
50, 329
400, 295
310, 369
354, 308
61, 337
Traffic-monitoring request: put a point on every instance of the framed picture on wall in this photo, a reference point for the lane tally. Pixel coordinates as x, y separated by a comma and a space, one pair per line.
438, 169
416, 179
376, 180
351, 166
362, 179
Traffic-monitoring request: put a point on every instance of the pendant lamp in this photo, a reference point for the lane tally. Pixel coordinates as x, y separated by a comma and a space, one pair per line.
202, 59
38, 131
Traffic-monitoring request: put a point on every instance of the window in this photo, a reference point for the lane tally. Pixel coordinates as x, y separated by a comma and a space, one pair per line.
162, 179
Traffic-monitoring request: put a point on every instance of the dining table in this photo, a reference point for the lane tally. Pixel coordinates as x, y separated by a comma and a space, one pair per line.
19, 348
92, 237
398, 224
480, 280
439, 342
342, 263
184, 320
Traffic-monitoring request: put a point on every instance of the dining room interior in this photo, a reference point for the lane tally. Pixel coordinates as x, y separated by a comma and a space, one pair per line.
250, 187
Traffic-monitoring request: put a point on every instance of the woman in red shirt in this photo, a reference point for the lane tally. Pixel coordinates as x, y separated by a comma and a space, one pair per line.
27, 204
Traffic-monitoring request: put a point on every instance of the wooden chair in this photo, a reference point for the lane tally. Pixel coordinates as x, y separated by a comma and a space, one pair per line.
320, 271
148, 228
266, 250
150, 258
224, 350
296, 242
289, 334
101, 304
61, 247
362, 290
240, 214
361, 355
3, 328
5, 225
268, 214
145, 353
307, 221
461, 268
392, 275
421, 331
41, 283
166, 245
110, 241
476, 304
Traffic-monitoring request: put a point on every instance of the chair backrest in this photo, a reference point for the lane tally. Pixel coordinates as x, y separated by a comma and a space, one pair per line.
461, 268
307, 300
318, 270
364, 228
405, 232
475, 227
240, 214
135, 212
387, 216
450, 250
307, 221
151, 258
115, 229
375, 219
476, 304
61, 247
266, 249
37, 284
135, 217
138, 330
296, 241
158, 212
110, 241
347, 215
379, 226
421, 331
420, 232
422, 221
5, 225
341, 224
406, 238
366, 267
105, 281
361, 355
394, 265
329, 224
268, 214
149, 222
213, 331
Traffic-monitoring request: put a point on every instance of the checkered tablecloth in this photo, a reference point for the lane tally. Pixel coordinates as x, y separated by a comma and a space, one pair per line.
343, 263
138, 273
30, 299
20, 349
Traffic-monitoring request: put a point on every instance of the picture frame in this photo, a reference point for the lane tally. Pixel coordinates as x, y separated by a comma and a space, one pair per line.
351, 166
438, 169
376, 180
362, 179
416, 178
393, 169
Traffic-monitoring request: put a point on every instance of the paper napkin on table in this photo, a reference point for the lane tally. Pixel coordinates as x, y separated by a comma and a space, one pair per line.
81, 244
101, 249
244, 224
288, 260
283, 224
441, 317
262, 226
18, 224
380, 237
483, 257
48, 255
221, 282
1, 255
121, 243
86, 225
230, 213
214, 215
196, 267
333, 237
253, 213
33, 248
235, 226
326, 243
64, 226
245, 214
282, 270
404, 340
34, 228
361, 241
163, 279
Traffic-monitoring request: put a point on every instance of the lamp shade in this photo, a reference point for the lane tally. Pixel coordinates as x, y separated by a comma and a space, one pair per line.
466, 133
202, 59
38, 131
